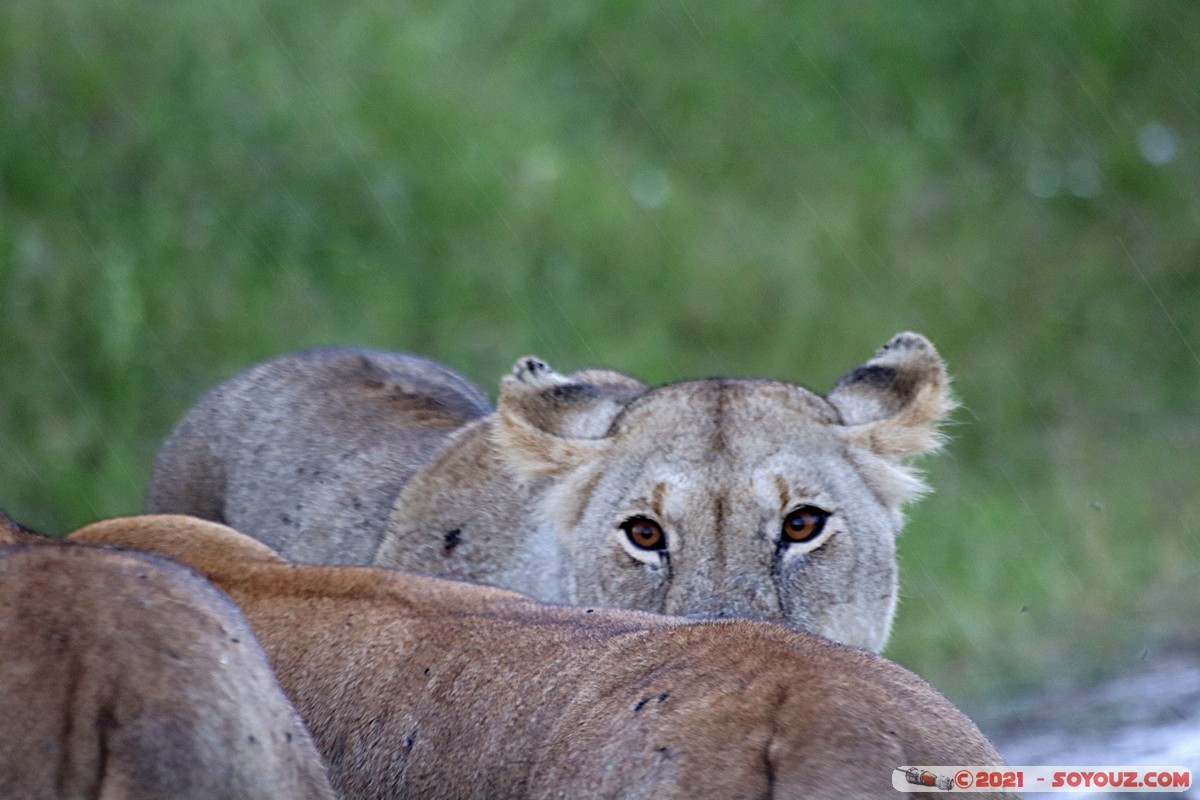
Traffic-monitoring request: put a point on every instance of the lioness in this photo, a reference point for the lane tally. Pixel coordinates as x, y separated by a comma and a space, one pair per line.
126, 676
718, 497
419, 687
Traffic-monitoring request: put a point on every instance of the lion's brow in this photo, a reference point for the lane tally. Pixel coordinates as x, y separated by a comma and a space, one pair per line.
786, 495
657, 495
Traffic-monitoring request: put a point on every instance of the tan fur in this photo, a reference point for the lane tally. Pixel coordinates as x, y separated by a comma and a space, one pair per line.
124, 676
357, 457
419, 687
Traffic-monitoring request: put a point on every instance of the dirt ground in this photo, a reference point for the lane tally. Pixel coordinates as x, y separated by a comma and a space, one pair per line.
1146, 717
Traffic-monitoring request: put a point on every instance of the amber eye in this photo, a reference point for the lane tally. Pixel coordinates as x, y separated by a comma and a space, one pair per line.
803, 524
644, 533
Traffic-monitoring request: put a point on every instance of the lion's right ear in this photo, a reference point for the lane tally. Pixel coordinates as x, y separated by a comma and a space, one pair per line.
892, 407
895, 401
549, 423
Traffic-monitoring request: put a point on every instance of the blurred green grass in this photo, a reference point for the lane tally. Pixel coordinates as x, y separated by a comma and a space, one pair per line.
667, 188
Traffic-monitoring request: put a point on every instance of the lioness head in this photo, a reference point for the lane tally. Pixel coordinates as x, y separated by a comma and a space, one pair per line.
736, 497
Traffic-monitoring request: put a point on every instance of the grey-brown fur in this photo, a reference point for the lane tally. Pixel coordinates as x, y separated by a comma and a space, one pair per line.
359, 457
309, 450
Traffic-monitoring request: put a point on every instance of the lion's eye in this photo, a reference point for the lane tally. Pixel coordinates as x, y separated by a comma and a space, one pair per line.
644, 533
803, 524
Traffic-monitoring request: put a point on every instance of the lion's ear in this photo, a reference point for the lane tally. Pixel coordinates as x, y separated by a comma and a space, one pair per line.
549, 423
894, 403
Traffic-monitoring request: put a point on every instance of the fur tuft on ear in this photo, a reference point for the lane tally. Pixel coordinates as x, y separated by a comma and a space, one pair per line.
893, 406
547, 423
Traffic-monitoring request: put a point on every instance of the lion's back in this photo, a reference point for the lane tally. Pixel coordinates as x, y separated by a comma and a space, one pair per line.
125, 672
307, 451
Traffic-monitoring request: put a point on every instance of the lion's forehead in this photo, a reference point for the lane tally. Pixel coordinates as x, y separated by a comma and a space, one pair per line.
738, 438
723, 401
705, 483
722, 447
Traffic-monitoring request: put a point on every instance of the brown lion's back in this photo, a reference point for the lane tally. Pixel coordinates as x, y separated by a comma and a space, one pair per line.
125, 675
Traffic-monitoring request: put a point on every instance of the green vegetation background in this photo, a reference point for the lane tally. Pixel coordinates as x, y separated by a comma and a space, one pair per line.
675, 189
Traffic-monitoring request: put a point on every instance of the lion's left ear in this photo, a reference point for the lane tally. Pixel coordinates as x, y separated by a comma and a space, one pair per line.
894, 402
549, 423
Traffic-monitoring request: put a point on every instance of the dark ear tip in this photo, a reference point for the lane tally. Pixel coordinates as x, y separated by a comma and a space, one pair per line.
530, 367
907, 370
906, 341
911, 354
874, 376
